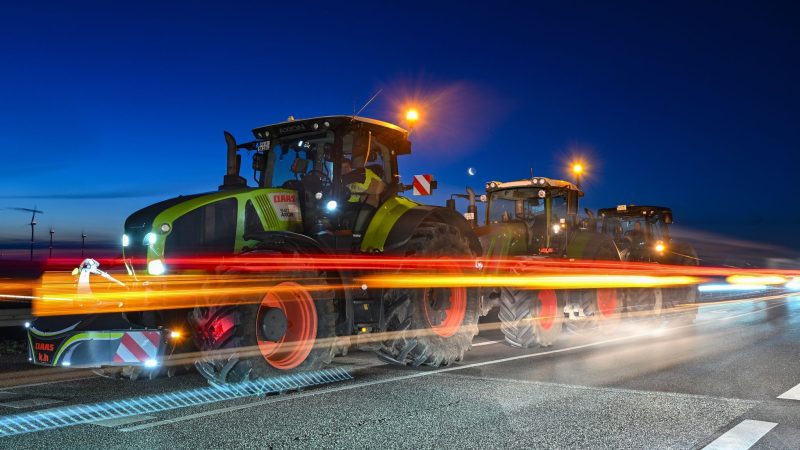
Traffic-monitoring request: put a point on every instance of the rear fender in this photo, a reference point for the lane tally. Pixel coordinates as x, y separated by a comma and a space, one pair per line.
405, 225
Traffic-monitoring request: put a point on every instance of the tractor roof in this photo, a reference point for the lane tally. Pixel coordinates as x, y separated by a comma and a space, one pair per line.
633, 211
536, 182
298, 126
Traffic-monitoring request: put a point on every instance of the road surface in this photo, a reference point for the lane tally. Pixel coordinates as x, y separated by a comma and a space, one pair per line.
713, 384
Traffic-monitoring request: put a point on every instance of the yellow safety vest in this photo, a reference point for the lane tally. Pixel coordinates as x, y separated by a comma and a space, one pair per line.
359, 188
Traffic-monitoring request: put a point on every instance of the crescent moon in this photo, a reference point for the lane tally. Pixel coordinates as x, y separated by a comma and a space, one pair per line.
471, 171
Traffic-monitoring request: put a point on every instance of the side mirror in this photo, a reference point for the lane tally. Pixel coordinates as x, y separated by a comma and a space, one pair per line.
259, 162
572, 203
403, 148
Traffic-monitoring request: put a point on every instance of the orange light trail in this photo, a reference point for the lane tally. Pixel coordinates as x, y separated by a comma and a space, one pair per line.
56, 293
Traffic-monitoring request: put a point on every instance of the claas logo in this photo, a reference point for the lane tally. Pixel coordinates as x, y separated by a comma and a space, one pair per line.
283, 198
45, 347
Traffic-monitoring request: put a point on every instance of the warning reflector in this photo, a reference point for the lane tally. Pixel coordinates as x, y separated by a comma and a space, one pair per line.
422, 184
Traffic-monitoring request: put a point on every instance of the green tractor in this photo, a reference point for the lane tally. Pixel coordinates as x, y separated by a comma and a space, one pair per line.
642, 234
322, 186
538, 218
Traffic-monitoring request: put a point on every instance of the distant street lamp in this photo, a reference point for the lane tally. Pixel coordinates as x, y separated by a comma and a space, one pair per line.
577, 170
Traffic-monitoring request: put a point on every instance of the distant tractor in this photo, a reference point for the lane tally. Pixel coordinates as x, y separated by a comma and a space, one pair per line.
538, 218
323, 186
642, 234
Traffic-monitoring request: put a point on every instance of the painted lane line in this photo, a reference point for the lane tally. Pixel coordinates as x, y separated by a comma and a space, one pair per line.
120, 421
742, 436
20, 386
348, 387
30, 403
479, 344
791, 394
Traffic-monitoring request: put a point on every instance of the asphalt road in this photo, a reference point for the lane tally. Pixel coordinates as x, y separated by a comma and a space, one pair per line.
714, 383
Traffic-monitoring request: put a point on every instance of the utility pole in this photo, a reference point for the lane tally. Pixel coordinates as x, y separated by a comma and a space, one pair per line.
52, 232
83, 242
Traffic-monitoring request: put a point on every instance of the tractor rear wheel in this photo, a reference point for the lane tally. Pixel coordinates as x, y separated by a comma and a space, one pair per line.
529, 317
674, 298
431, 326
289, 326
644, 303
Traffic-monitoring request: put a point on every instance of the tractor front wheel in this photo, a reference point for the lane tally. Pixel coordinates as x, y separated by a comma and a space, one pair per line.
289, 326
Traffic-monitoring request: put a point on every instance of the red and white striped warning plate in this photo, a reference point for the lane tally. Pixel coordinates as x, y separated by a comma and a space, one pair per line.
138, 346
422, 184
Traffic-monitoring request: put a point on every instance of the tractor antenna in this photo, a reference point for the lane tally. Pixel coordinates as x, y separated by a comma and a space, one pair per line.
531, 170
367, 104
83, 242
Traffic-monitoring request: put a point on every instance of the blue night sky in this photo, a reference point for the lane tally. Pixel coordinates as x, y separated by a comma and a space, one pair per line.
106, 107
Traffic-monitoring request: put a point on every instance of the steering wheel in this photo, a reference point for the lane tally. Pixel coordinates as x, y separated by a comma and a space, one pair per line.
317, 181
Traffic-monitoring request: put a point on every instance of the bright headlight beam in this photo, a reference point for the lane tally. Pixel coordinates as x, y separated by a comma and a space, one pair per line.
156, 267
756, 279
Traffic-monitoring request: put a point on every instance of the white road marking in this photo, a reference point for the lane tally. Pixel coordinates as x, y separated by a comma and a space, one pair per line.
479, 344
742, 436
30, 403
19, 386
791, 394
120, 421
348, 387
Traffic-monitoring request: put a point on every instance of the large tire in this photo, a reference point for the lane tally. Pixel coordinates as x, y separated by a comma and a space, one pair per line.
234, 349
430, 327
674, 298
529, 317
592, 308
644, 303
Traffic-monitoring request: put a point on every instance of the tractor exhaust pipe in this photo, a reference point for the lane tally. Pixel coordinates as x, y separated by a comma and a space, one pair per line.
472, 208
232, 180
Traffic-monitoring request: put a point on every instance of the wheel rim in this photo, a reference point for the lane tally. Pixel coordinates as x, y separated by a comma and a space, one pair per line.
301, 331
454, 312
547, 310
607, 301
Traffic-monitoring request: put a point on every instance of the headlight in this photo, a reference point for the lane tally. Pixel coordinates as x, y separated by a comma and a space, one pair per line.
156, 267
165, 228
150, 238
331, 205
556, 228
660, 247
125, 240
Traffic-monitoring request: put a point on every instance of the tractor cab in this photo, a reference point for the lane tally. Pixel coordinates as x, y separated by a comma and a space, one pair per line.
342, 168
323, 178
640, 232
543, 210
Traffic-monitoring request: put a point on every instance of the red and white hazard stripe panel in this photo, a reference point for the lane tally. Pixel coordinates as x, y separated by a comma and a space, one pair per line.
422, 184
138, 346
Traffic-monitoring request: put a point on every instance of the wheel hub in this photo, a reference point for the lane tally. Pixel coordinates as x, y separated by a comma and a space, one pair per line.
273, 324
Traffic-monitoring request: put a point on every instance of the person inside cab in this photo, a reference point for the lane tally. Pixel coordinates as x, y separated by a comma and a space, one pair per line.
369, 191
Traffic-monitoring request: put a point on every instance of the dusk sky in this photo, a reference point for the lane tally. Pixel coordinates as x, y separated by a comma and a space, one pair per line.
106, 107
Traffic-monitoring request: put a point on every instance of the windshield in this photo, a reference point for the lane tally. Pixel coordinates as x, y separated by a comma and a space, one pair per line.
516, 204
638, 228
296, 157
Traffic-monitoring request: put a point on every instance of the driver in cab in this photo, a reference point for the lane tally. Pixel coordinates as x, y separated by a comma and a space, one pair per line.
369, 190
